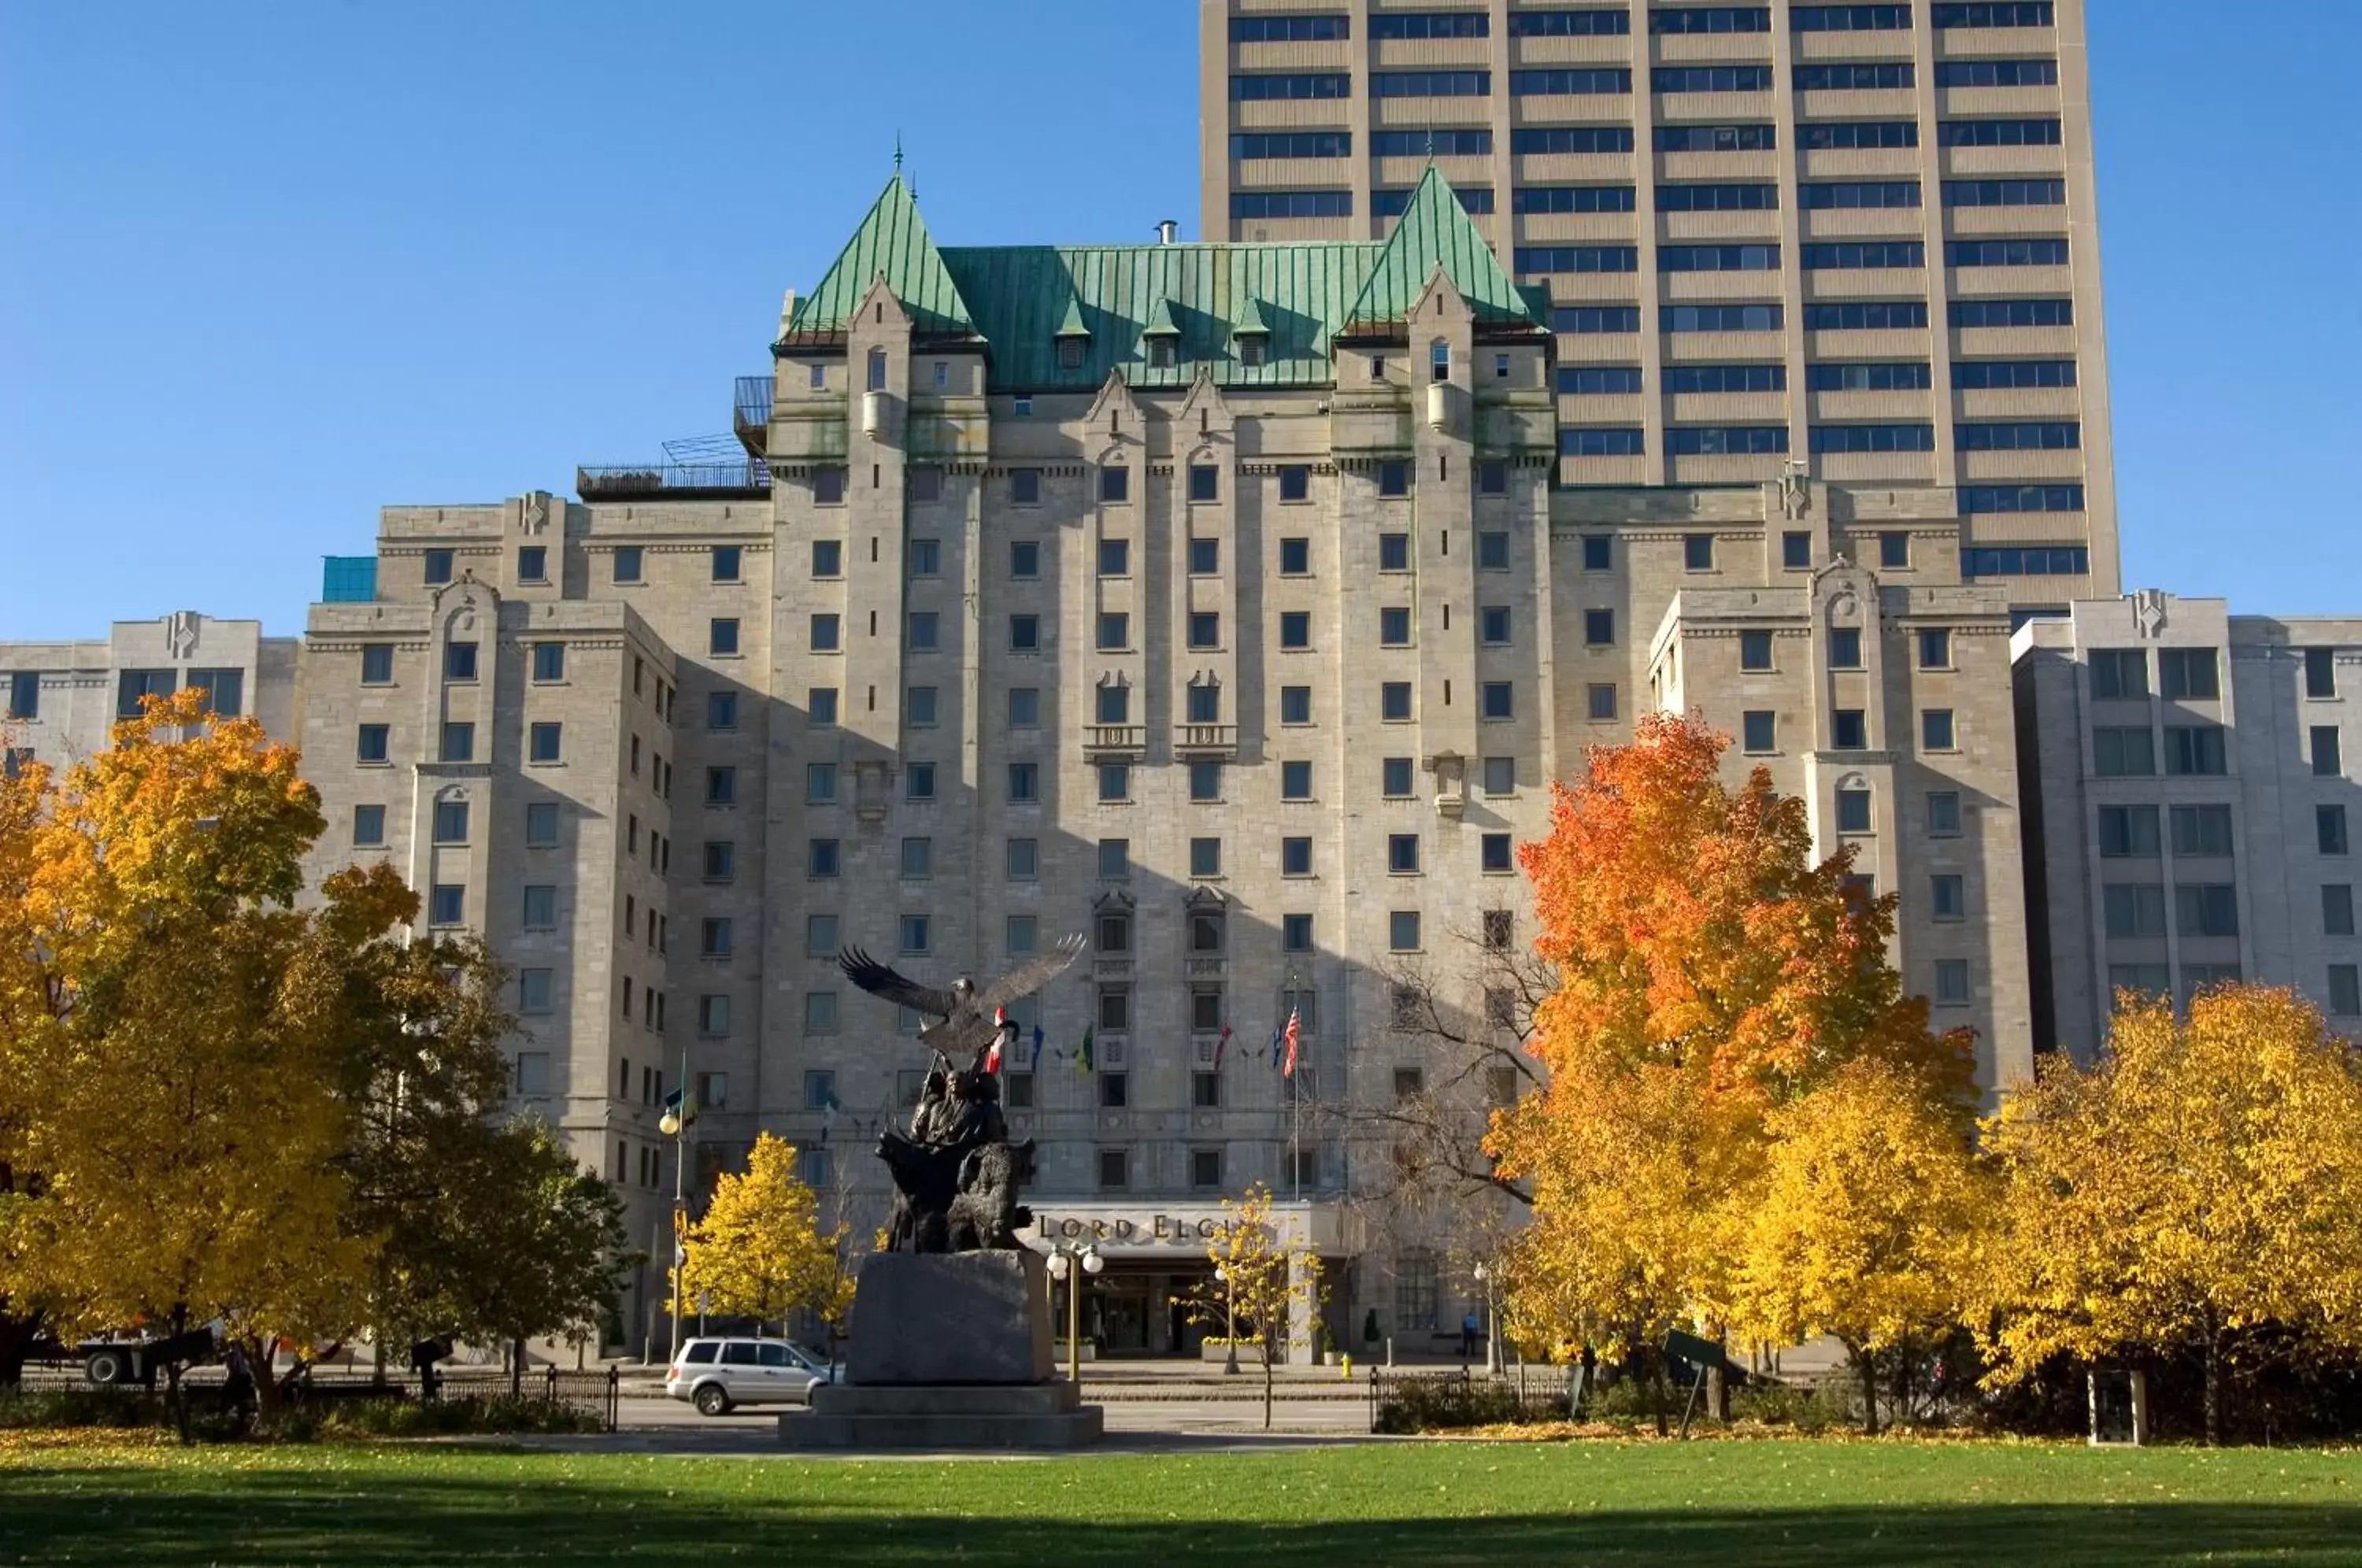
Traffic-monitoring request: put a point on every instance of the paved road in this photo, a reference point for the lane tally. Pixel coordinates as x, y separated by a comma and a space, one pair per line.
661, 1425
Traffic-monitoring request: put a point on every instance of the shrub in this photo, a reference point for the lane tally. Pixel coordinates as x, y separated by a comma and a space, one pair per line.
24, 1408
1782, 1405
1444, 1404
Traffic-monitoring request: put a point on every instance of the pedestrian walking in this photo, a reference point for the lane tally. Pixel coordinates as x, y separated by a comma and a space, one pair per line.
1469, 1328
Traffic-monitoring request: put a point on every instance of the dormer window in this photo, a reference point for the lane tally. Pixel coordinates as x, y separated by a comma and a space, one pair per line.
1440, 360
1251, 350
876, 370
1161, 353
1070, 353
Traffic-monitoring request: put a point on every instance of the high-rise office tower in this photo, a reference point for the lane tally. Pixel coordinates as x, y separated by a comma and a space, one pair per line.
1859, 238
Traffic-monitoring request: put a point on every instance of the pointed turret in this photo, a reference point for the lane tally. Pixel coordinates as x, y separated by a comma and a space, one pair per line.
892, 243
1434, 231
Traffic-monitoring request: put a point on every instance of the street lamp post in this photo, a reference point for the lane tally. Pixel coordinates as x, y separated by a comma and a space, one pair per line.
675, 1126
1485, 1278
1230, 1320
1075, 1264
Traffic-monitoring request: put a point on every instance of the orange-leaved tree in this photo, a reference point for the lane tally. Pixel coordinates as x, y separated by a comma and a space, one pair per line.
2196, 1189
1709, 969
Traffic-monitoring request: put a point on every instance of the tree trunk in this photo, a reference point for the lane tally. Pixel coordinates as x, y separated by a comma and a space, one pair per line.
2213, 1387
1266, 1381
516, 1368
1657, 1389
1869, 1364
1899, 1404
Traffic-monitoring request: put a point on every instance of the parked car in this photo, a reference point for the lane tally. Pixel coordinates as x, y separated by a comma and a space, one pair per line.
717, 1375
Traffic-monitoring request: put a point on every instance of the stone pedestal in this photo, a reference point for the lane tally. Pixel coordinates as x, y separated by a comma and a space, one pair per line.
945, 1416
950, 1352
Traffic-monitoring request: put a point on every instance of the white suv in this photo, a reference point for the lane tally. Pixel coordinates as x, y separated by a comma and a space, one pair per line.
716, 1374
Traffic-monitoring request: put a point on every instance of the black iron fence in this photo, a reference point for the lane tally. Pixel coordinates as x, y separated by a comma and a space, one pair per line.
593, 1392
1404, 1401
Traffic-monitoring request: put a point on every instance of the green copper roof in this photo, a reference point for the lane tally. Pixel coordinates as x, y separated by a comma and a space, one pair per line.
893, 243
1022, 299
1434, 229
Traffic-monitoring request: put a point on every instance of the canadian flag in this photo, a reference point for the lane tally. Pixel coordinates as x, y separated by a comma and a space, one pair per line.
999, 1029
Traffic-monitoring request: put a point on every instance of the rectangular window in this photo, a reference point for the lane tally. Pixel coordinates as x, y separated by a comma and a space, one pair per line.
1205, 629
1853, 811
2197, 749
2338, 909
541, 824
1697, 552
2321, 672
1754, 651
1204, 857
1601, 696
2187, 673
820, 1018
1025, 634
1760, 730
1935, 648
1947, 895
1598, 627
370, 743
1394, 776
918, 856
2326, 762
446, 904
2133, 909
2329, 829
544, 742
458, 661
459, 743
1496, 700
1296, 857
919, 706
913, 933
1494, 854
823, 858
2124, 753
1115, 631
1402, 931
924, 631
1115, 1170
2119, 674
1205, 780
721, 786
828, 557
1395, 701
540, 907
1393, 627
2344, 990
627, 563
1952, 982
1115, 484
1848, 732
1935, 732
450, 822
2202, 830
821, 935
1115, 557
435, 568
1845, 647
1205, 557
1796, 550
1115, 859
369, 827
827, 634
2206, 909
2129, 833
828, 487
918, 780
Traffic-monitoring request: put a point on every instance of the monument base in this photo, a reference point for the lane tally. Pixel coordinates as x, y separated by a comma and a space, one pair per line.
945, 1416
949, 1351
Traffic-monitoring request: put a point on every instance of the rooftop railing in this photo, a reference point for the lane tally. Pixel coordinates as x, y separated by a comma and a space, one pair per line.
678, 481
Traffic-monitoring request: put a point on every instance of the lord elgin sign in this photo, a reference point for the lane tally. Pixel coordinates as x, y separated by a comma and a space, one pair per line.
1301, 1226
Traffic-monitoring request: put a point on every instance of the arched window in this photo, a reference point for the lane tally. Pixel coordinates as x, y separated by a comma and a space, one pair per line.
1438, 356
877, 369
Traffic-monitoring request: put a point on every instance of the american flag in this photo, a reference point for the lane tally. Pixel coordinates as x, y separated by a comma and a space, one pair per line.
1294, 1032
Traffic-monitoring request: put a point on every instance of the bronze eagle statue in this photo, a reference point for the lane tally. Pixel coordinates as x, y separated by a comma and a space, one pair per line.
963, 1015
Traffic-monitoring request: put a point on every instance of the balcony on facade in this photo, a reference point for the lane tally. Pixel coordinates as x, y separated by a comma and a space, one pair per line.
674, 481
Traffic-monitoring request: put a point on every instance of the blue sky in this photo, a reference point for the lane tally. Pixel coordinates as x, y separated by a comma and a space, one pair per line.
266, 267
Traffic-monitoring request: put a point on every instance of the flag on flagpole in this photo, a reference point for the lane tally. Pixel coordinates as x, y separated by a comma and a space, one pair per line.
1294, 1034
999, 1032
1083, 1056
1223, 1046
1278, 1031
1035, 1066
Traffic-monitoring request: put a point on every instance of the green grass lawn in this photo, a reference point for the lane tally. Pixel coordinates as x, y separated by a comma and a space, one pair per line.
1424, 1504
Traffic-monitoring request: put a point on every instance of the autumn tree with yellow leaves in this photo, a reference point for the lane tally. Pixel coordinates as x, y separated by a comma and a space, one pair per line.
1866, 1223
222, 1105
1260, 1283
759, 1251
1710, 971
2198, 1184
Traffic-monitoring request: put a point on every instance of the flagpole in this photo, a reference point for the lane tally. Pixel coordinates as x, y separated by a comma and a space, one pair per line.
1295, 1105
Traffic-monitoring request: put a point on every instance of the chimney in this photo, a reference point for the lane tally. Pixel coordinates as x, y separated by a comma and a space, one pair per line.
787, 312
1165, 231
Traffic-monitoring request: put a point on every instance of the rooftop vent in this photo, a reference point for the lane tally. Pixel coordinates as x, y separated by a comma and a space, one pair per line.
1166, 231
